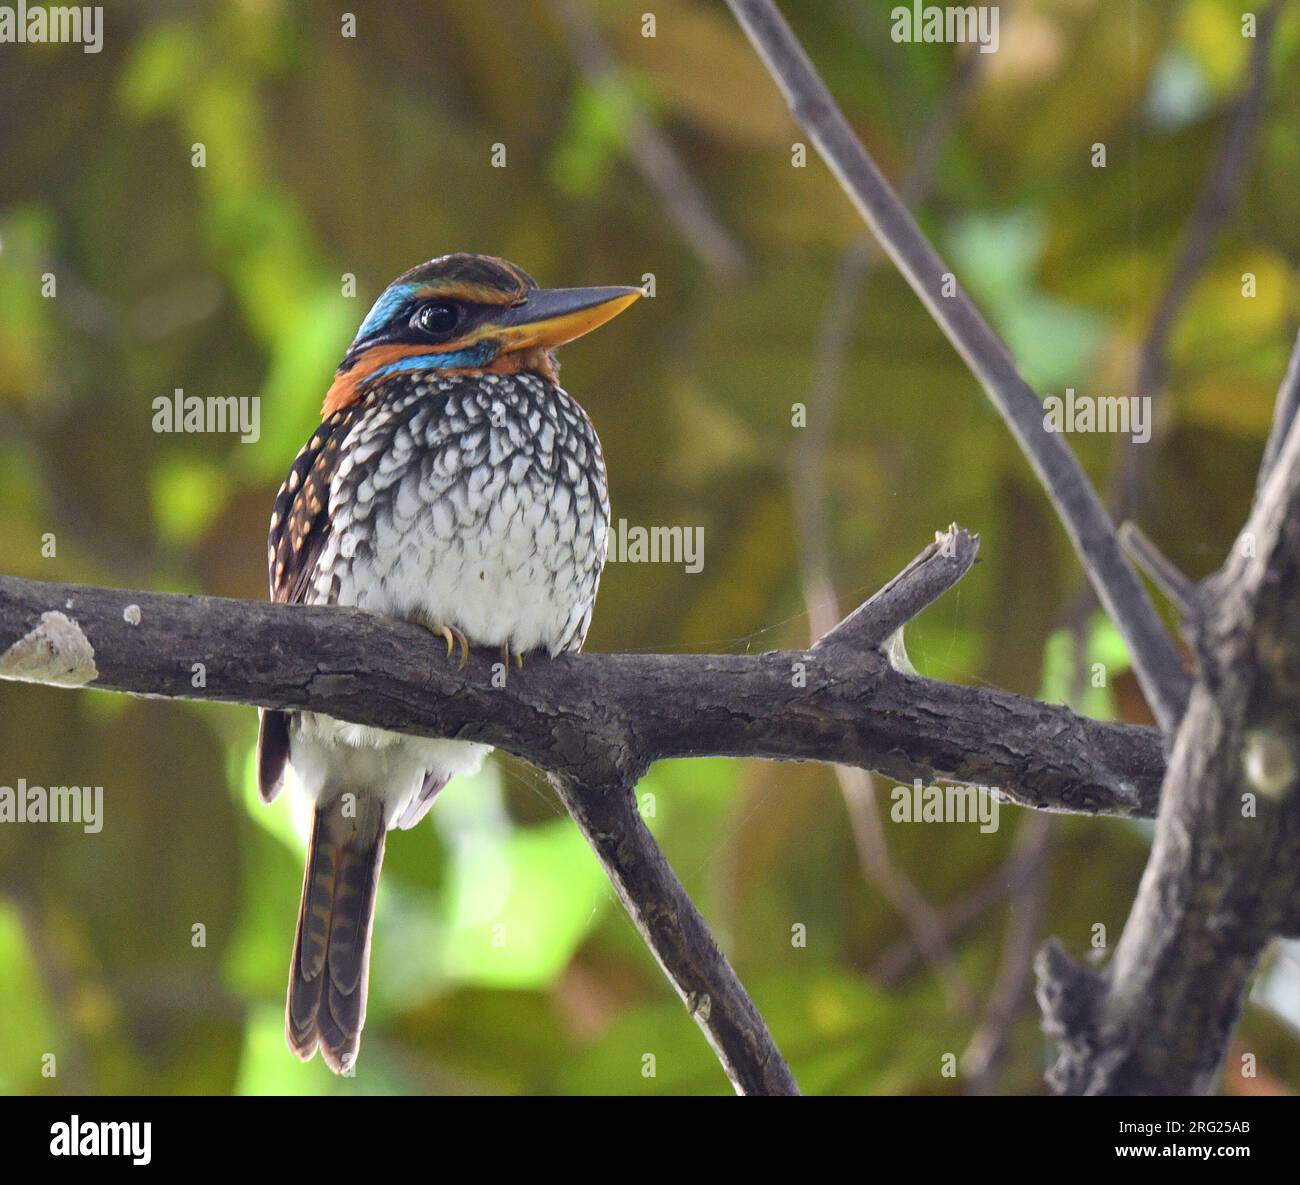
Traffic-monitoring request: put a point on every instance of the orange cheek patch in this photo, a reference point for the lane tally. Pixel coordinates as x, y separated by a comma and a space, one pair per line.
342, 393
346, 388
536, 360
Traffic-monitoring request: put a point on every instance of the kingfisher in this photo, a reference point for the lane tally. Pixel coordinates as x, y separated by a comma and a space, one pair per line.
452, 482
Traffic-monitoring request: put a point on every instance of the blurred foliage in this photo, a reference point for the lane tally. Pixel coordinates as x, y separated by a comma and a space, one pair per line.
502, 961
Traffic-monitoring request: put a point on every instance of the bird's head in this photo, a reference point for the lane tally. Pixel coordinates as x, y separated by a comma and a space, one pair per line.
469, 314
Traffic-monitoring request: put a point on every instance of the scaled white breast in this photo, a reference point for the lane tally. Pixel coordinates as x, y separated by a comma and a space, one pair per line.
480, 512
485, 524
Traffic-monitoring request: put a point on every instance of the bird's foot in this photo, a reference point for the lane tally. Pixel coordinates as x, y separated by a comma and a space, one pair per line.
505, 657
452, 636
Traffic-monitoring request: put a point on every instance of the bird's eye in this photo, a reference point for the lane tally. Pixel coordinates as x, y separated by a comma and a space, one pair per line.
437, 320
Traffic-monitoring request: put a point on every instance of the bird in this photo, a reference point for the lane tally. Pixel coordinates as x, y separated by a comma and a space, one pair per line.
454, 483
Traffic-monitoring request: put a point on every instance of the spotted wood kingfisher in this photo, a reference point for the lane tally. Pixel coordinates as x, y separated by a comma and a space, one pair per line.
452, 482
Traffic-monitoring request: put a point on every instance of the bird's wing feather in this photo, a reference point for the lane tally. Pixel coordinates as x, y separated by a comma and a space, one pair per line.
300, 525
301, 519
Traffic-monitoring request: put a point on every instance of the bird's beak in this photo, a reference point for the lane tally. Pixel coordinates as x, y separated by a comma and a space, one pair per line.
550, 317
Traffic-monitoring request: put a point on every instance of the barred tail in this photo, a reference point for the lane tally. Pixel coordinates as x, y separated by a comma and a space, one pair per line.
331, 956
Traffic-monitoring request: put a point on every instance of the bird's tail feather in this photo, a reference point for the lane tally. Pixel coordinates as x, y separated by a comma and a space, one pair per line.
327, 982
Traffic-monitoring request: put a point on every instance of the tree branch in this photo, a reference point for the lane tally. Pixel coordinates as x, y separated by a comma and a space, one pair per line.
1224, 871
594, 723
678, 936
590, 716
914, 589
1155, 659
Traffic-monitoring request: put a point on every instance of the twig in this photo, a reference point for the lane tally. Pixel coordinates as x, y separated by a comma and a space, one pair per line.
1284, 416
652, 152
842, 307
963, 911
1154, 656
988, 1046
677, 935
1214, 206
915, 588
1164, 573
922, 919
808, 485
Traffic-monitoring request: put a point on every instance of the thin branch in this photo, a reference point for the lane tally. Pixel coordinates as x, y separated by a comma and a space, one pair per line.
1155, 659
678, 936
967, 908
915, 588
1214, 206
1162, 571
922, 919
849, 290
987, 1048
1284, 416
652, 152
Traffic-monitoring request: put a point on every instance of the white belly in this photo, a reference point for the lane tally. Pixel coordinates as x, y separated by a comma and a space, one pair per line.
332, 758
484, 511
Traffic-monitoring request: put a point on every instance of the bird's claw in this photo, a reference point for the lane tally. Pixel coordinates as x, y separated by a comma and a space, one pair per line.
505, 657
464, 649
453, 637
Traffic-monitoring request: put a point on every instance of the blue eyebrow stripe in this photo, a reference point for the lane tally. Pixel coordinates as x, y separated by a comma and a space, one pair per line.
385, 308
478, 355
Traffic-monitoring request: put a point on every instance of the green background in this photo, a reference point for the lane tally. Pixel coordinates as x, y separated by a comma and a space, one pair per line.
502, 961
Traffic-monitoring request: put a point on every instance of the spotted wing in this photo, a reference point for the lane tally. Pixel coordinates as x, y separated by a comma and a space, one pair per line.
300, 521
300, 525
